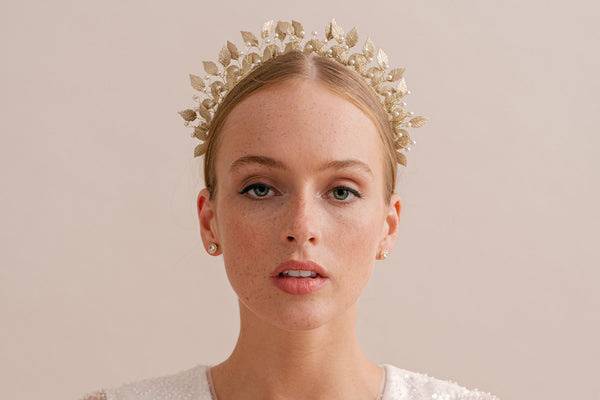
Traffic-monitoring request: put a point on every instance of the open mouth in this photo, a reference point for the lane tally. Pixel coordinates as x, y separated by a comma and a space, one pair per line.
285, 276
299, 284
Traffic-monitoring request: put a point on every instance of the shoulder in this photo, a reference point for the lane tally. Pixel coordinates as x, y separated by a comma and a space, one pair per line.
189, 383
420, 386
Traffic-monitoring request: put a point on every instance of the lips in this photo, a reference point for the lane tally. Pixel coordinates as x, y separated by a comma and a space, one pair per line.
306, 265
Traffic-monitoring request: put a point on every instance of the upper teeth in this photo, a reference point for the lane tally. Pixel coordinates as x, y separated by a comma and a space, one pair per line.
299, 272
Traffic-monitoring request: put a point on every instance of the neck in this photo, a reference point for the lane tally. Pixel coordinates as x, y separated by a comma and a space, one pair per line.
321, 363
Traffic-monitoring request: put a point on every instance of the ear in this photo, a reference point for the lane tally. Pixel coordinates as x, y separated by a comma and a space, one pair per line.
390, 226
207, 221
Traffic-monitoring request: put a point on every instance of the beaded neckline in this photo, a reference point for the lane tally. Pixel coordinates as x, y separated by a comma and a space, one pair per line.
213, 394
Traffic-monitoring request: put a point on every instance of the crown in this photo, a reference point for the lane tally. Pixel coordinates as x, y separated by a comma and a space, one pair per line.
282, 37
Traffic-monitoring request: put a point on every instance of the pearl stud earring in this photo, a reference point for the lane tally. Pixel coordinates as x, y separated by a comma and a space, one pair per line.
385, 253
212, 248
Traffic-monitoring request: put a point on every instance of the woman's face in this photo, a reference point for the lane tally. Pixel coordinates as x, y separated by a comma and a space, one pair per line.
264, 215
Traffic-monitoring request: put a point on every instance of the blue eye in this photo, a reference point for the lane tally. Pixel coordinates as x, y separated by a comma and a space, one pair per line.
255, 186
261, 190
346, 190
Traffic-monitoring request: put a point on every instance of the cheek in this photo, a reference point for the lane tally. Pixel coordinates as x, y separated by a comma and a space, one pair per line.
249, 251
354, 233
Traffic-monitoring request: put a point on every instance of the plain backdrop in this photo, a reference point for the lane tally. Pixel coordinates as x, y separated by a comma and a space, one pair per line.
492, 282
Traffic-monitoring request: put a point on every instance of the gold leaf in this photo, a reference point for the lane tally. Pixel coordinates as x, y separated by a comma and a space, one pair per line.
402, 114
352, 38
200, 149
200, 132
254, 57
369, 48
208, 103
391, 101
404, 140
361, 69
210, 67
224, 56
283, 28
396, 74
376, 71
358, 58
267, 29
232, 70
270, 51
188, 115
401, 132
233, 50
382, 59
298, 29
328, 31
246, 65
400, 158
204, 113
339, 53
334, 31
292, 45
248, 62
249, 38
231, 79
197, 82
316, 44
418, 121
216, 88
230, 84
232, 75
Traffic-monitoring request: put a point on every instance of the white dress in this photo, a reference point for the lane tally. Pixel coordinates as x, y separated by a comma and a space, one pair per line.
195, 384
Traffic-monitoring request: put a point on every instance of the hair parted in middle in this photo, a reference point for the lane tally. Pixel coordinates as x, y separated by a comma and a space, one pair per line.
333, 75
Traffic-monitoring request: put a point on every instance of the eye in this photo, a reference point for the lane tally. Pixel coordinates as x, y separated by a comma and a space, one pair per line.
261, 190
343, 191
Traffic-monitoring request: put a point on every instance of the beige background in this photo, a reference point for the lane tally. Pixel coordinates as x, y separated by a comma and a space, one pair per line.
493, 282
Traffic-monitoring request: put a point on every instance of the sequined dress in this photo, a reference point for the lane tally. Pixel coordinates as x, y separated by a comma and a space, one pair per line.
196, 384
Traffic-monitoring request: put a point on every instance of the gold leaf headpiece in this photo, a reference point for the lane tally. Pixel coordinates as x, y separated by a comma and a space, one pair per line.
282, 37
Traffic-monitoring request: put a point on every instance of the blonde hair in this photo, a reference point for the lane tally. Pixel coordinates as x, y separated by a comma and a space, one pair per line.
296, 64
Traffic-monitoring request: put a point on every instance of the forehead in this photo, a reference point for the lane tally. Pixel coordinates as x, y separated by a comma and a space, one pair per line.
302, 123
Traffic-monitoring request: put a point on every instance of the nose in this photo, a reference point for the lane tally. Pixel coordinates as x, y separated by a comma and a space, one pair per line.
303, 219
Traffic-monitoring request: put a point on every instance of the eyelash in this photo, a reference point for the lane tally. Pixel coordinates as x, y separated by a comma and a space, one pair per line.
356, 193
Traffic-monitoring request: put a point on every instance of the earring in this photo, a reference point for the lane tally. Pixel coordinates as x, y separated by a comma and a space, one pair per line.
212, 248
384, 254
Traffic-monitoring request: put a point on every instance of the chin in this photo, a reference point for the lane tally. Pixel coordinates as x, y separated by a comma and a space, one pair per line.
301, 316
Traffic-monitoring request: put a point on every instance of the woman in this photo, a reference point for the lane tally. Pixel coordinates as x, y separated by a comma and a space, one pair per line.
300, 169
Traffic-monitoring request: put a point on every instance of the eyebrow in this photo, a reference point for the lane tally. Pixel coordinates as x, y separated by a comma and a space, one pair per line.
273, 163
